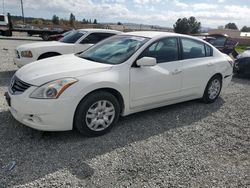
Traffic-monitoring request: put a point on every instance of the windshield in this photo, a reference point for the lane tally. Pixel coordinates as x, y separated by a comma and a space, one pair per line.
114, 50
72, 37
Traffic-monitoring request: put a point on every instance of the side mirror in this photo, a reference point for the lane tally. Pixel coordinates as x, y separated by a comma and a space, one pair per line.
146, 61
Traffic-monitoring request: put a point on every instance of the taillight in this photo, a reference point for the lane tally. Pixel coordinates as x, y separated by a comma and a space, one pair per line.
231, 62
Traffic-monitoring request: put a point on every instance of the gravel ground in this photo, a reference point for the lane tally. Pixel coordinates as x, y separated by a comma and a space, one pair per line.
185, 145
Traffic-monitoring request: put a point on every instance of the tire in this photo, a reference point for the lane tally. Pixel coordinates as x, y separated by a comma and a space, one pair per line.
90, 117
45, 36
47, 55
213, 89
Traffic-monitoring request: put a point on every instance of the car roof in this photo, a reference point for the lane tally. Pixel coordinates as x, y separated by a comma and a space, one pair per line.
159, 34
99, 30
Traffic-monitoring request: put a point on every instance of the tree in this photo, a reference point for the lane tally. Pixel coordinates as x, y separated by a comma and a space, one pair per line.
119, 23
55, 19
37, 21
181, 26
194, 25
95, 21
187, 26
231, 26
245, 29
72, 20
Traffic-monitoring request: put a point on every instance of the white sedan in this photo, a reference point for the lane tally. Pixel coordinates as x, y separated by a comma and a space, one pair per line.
75, 42
121, 75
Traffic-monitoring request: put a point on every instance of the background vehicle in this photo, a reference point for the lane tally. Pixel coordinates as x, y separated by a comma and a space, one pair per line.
59, 36
75, 42
4, 25
242, 63
121, 75
6, 29
222, 42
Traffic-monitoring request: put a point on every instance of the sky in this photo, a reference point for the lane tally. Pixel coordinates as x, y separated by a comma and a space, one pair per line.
211, 13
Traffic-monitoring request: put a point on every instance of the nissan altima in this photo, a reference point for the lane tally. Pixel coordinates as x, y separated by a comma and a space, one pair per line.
121, 75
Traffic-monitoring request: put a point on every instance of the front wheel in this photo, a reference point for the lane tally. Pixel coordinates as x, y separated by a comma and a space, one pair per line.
97, 114
212, 90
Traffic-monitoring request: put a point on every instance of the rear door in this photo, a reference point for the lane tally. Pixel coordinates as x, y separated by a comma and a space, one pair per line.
197, 66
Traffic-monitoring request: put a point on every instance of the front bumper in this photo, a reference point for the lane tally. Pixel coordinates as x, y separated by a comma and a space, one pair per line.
42, 114
19, 62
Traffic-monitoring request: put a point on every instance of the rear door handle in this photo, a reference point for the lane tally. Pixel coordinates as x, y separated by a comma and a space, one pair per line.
176, 71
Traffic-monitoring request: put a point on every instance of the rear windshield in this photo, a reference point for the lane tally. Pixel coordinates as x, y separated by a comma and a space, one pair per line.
73, 37
2, 18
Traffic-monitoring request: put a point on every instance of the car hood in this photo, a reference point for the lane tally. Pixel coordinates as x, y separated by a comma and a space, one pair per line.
46, 70
43, 45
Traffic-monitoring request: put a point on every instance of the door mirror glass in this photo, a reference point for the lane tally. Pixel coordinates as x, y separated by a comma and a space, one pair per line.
146, 61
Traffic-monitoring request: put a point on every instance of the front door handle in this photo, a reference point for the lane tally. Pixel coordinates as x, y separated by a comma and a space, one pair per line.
176, 71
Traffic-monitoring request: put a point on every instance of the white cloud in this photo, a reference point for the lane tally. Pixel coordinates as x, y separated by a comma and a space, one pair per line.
204, 6
143, 11
180, 4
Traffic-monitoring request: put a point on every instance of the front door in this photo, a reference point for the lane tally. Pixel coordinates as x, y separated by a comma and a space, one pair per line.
159, 83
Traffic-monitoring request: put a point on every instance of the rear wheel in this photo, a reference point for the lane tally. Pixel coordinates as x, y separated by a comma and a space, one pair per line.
212, 90
97, 114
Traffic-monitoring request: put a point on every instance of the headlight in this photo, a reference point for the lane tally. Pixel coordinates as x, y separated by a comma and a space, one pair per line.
54, 89
26, 54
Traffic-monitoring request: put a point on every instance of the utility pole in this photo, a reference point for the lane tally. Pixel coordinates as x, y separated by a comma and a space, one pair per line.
3, 8
22, 10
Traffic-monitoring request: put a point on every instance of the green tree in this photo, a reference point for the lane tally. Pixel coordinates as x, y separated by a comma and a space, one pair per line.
72, 20
37, 21
231, 26
181, 26
95, 21
55, 19
187, 26
245, 29
119, 23
194, 25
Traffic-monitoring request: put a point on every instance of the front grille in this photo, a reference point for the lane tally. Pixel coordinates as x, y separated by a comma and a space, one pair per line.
17, 86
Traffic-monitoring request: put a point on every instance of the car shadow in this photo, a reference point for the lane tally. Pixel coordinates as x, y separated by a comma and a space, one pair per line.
241, 79
5, 77
38, 154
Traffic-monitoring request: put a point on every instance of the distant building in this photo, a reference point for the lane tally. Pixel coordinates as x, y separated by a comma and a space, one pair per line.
230, 32
245, 34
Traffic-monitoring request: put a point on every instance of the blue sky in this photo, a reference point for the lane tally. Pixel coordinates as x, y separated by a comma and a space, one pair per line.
211, 13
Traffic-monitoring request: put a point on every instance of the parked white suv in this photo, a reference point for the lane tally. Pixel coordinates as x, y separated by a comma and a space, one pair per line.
75, 42
121, 75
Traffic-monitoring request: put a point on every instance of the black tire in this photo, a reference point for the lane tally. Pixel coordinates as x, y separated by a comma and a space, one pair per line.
45, 36
47, 55
206, 97
80, 119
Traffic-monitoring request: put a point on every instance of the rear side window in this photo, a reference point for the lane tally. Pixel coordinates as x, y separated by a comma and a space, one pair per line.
209, 51
164, 50
192, 49
94, 38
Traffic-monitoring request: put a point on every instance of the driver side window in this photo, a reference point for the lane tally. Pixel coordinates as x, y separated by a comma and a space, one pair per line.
164, 50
